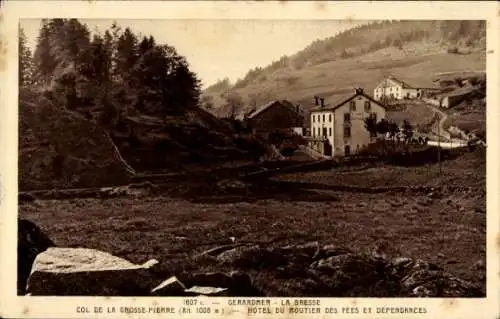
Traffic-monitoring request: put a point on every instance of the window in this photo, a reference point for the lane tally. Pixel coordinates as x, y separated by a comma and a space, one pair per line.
324, 131
347, 117
368, 106
313, 118
347, 131
330, 131
330, 118
352, 105
323, 117
374, 116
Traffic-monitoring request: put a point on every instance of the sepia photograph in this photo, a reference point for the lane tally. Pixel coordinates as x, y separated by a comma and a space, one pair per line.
276, 163
352, 167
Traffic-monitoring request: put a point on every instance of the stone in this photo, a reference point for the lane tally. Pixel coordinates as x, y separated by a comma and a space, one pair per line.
88, 272
170, 287
207, 291
479, 265
441, 284
231, 184
344, 274
252, 257
217, 250
237, 283
331, 250
31, 241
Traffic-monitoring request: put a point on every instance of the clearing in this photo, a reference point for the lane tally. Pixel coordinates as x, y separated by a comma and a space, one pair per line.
446, 227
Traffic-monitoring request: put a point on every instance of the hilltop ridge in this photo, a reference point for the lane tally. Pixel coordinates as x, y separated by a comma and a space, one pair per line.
361, 56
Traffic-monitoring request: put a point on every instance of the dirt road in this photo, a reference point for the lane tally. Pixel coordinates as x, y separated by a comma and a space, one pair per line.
440, 131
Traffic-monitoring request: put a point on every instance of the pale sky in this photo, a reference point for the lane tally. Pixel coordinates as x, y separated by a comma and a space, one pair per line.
216, 49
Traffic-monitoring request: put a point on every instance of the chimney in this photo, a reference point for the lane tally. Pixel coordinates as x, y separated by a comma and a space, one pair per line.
316, 100
322, 102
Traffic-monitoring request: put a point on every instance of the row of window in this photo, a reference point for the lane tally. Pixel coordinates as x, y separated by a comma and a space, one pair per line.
352, 107
397, 88
347, 117
316, 131
317, 118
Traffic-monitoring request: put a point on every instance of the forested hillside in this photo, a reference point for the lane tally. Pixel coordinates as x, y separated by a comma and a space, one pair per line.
360, 56
91, 103
110, 73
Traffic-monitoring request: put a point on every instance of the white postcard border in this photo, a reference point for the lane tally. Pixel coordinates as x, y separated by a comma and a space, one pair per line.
65, 307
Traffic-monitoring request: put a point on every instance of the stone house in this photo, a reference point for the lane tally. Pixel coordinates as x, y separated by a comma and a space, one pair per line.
395, 89
338, 129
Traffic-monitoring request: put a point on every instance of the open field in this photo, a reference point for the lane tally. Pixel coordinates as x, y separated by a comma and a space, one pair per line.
469, 121
419, 116
446, 228
414, 66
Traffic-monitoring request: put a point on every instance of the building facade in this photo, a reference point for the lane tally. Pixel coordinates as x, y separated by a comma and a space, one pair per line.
394, 89
276, 115
339, 129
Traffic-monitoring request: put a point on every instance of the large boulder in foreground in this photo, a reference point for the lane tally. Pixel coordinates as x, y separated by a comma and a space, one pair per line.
31, 241
88, 272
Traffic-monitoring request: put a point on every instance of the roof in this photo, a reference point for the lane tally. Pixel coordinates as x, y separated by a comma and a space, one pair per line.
343, 100
400, 82
416, 82
268, 105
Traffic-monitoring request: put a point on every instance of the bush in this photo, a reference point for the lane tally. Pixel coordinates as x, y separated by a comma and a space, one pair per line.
453, 50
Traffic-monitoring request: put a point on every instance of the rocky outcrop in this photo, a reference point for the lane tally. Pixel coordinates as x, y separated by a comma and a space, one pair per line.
308, 269
84, 156
31, 241
333, 271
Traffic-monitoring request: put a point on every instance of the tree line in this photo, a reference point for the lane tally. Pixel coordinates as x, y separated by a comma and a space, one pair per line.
114, 73
385, 127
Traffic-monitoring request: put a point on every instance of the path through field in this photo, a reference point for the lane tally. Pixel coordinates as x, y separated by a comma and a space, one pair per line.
440, 131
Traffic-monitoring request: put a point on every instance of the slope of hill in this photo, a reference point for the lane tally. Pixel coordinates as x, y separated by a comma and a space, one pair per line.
60, 149
181, 142
413, 50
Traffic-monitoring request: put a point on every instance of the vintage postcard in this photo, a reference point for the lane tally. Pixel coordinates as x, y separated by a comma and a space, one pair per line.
287, 159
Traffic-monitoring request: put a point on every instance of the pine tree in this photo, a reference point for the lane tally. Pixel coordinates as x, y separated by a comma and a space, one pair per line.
43, 60
26, 67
